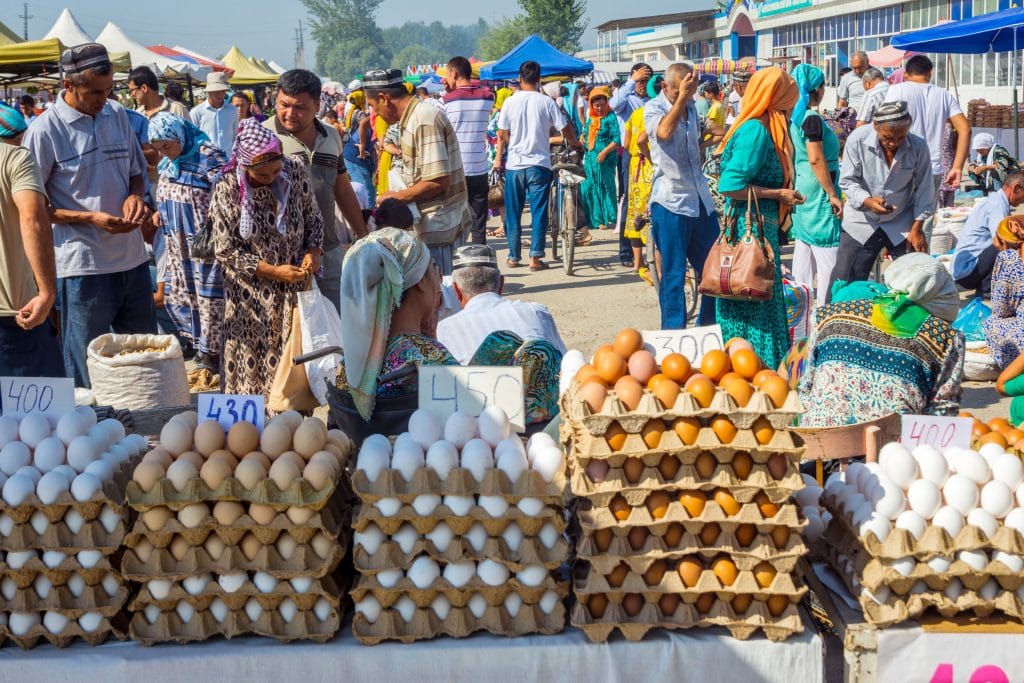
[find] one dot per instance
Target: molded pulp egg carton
(531, 552)
(169, 626)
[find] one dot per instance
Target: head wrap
(771, 94)
(594, 122)
(654, 85)
(984, 141)
(1011, 229)
(500, 97)
(919, 286)
(168, 126)
(808, 78)
(892, 111)
(254, 145)
(377, 270)
(358, 100)
(12, 123)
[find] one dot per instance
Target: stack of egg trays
(159, 554)
(583, 433)
(889, 595)
(460, 620)
(78, 570)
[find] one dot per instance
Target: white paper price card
(227, 409)
(940, 432)
(445, 389)
(913, 654)
(692, 343)
(44, 395)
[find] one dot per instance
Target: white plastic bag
(321, 327)
(137, 371)
(979, 366)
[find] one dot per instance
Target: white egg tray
(589, 582)
(531, 551)
(169, 627)
(299, 494)
(583, 443)
(597, 517)
(459, 623)
(685, 406)
(364, 515)
(112, 494)
(323, 589)
(458, 596)
(460, 482)
(109, 626)
(92, 535)
(93, 598)
(61, 574)
(636, 627)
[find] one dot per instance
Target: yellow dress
(384, 165)
(641, 175)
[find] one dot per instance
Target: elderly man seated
(478, 284)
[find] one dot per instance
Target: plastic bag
(971, 320)
(289, 389)
(979, 365)
(321, 327)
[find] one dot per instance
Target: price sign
(940, 432)
(43, 395)
(227, 409)
(692, 343)
(445, 389)
(913, 654)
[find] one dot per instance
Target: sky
(266, 28)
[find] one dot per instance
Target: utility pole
(300, 48)
(25, 16)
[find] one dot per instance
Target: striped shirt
(463, 332)
(469, 109)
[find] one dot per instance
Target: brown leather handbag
(741, 267)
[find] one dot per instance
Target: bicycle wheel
(568, 221)
(692, 293)
(553, 220)
(653, 263)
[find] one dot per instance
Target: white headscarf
(926, 282)
(985, 141)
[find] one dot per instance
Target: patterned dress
(641, 177)
(195, 302)
(855, 372)
(598, 190)
(258, 311)
(1004, 329)
(404, 351)
(749, 158)
(540, 361)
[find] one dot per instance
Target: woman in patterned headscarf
(601, 140)
(268, 234)
(195, 300)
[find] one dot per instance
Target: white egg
(219, 609)
(407, 458)
(971, 465)
(549, 535)
(232, 582)
(82, 451)
(8, 429)
(898, 464)
(939, 564)
(458, 574)
(369, 607)
(253, 609)
(286, 545)
(984, 521)
(90, 621)
(49, 453)
(76, 584)
(264, 582)
(878, 525)
(109, 519)
(863, 513)
(851, 501)
(442, 457)
(1015, 563)
(425, 504)
(997, 498)
(1008, 469)
(975, 559)
(51, 485)
(950, 519)
(21, 623)
(406, 537)
(14, 456)
(924, 497)
(103, 470)
(989, 590)
(8, 588)
(531, 507)
(441, 535)
(33, 429)
(423, 572)
(912, 522)
(477, 536)
(301, 584)
(55, 622)
(389, 577)
(288, 610)
(511, 452)
(30, 472)
(477, 605)
(853, 474)
(374, 456)
(512, 536)
(6, 524)
(460, 428)
(513, 603)
(1015, 520)
(494, 425)
(425, 428)
(549, 462)
(42, 586)
(53, 558)
(89, 558)
(67, 471)
(115, 429)
(85, 486)
(159, 588)
(893, 500)
(904, 566)
(931, 464)
(477, 458)
(152, 613)
(441, 606)
(572, 361)
(492, 573)
(180, 473)
(808, 496)
(39, 522)
(388, 507)
(17, 489)
(495, 506)
(459, 505)
(548, 601)
(370, 539)
(961, 492)
(194, 585)
(532, 575)
(88, 414)
(73, 520)
(405, 607)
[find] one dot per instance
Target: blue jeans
(91, 305)
(680, 238)
(531, 185)
(35, 353)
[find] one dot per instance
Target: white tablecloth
(696, 655)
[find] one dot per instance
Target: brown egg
(656, 379)
(673, 535)
(179, 548)
(299, 515)
(994, 437)
(723, 428)
(729, 376)
(262, 514)
(777, 604)
(251, 546)
(160, 456)
(763, 431)
(617, 576)
(780, 536)
(1013, 436)
(147, 474)
(283, 472)
(318, 474)
(256, 456)
(627, 342)
(227, 512)
(603, 539)
(620, 508)
(214, 472)
(209, 437)
(765, 505)
(689, 569)
(702, 389)
(745, 534)
(155, 518)
(715, 364)
(761, 376)
(214, 546)
(746, 363)
(615, 436)
(243, 438)
(777, 466)
(654, 573)
(642, 366)
(586, 371)
(734, 344)
(275, 439)
(637, 537)
(629, 391)
(668, 603)
(742, 463)
(764, 574)
(693, 502)
(688, 429)
(594, 395)
(632, 468)
(705, 602)
(979, 429)
(709, 533)
(610, 366)
(998, 423)
(705, 464)
(725, 569)
(597, 470)
(741, 603)
(632, 603)
(225, 457)
(730, 506)
(652, 432)
(250, 473)
(668, 467)
(657, 504)
(740, 389)
(597, 604)
(777, 390)
(676, 367)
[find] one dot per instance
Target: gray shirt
(872, 99)
(679, 184)
(851, 89)
(86, 164)
(906, 185)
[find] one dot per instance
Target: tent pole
(191, 96)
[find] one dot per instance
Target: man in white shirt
(931, 107)
(216, 117)
(875, 90)
(851, 87)
(478, 284)
(740, 79)
(524, 126)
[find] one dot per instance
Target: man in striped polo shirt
(468, 108)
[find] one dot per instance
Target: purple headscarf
(255, 144)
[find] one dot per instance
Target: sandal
(539, 266)
(585, 241)
(513, 264)
(500, 232)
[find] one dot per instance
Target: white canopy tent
(196, 55)
(68, 31)
(115, 40)
(276, 67)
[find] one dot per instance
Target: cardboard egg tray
(531, 551)
(364, 515)
(57, 536)
(635, 627)
(686, 405)
(115, 626)
(457, 596)
(460, 622)
(111, 494)
(584, 443)
(60, 574)
(323, 589)
(589, 582)
(298, 494)
(60, 599)
(460, 482)
(203, 625)
(598, 517)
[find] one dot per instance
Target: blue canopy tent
(552, 62)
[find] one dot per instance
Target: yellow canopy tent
(246, 71)
(43, 56)
(7, 36)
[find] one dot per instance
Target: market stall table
(693, 655)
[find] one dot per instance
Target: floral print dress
(1004, 329)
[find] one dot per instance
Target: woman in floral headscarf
(268, 234)
(600, 139)
(195, 300)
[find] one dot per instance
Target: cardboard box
(530, 525)
(531, 552)
(460, 482)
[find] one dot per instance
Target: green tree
(414, 54)
(503, 36)
(349, 42)
(560, 22)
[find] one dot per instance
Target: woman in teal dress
(757, 154)
(601, 141)
(816, 222)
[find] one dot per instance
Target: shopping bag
(290, 388)
(971, 320)
(321, 327)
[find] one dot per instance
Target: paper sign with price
(227, 409)
(44, 395)
(692, 343)
(912, 654)
(445, 389)
(940, 432)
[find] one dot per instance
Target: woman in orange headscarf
(757, 155)
(600, 139)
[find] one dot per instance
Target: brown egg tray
(636, 627)
(531, 525)
(598, 517)
(91, 536)
(531, 551)
(324, 588)
(60, 599)
(588, 582)
(459, 623)
(461, 482)
(298, 494)
(60, 575)
(116, 626)
(457, 596)
(202, 626)
(583, 444)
